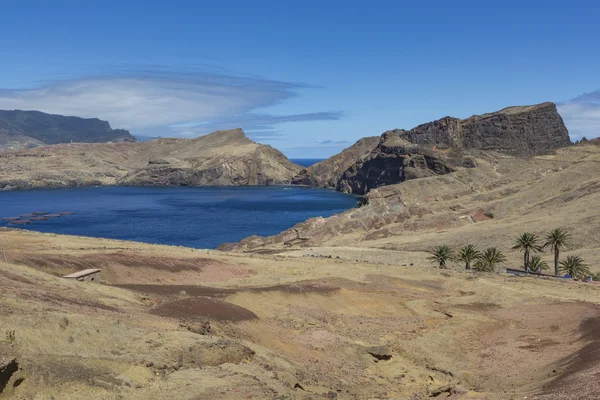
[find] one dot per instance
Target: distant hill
(27, 129)
(221, 158)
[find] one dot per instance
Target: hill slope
(327, 172)
(22, 129)
(220, 158)
(439, 147)
(487, 205)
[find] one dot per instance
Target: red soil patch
(204, 307)
(206, 291)
(99, 260)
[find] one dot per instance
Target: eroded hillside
(187, 324)
(220, 158)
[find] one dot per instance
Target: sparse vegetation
(527, 243)
(575, 267)
(489, 259)
(557, 239)
(11, 336)
(468, 254)
(440, 255)
(536, 263)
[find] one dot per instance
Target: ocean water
(195, 217)
(306, 162)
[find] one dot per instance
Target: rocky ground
(174, 322)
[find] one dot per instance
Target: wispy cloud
(582, 115)
(163, 103)
(332, 142)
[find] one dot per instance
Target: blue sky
(309, 77)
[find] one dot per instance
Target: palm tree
(440, 255)
(575, 267)
(468, 254)
(527, 242)
(557, 239)
(536, 263)
(488, 260)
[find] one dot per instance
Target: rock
(380, 352)
(522, 131)
(328, 172)
(393, 161)
(8, 366)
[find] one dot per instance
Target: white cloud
(582, 115)
(164, 104)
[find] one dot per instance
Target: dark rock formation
(8, 366)
(32, 128)
(439, 147)
(521, 131)
(327, 173)
(393, 161)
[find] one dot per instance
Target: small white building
(87, 275)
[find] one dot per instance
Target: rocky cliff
(327, 173)
(439, 147)
(218, 159)
(23, 129)
(521, 131)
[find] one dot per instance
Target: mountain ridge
(218, 159)
(440, 147)
(32, 128)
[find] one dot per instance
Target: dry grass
(315, 319)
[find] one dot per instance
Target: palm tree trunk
(525, 259)
(556, 250)
(468, 266)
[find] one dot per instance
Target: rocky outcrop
(8, 367)
(393, 161)
(520, 131)
(327, 173)
(221, 158)
(439, 147)
(23, 129)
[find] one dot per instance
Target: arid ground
(312, 323)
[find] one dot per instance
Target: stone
(380, 352)
(8, 366)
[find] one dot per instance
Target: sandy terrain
(173, 322)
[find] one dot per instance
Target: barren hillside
(220, 158)
(188, 324)
(487, 205)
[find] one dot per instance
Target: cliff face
(439, 147)
(521, 131)
(327, 173)
(394, 160)
(218, 159)
(21, 129)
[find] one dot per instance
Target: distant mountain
(26, 129)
